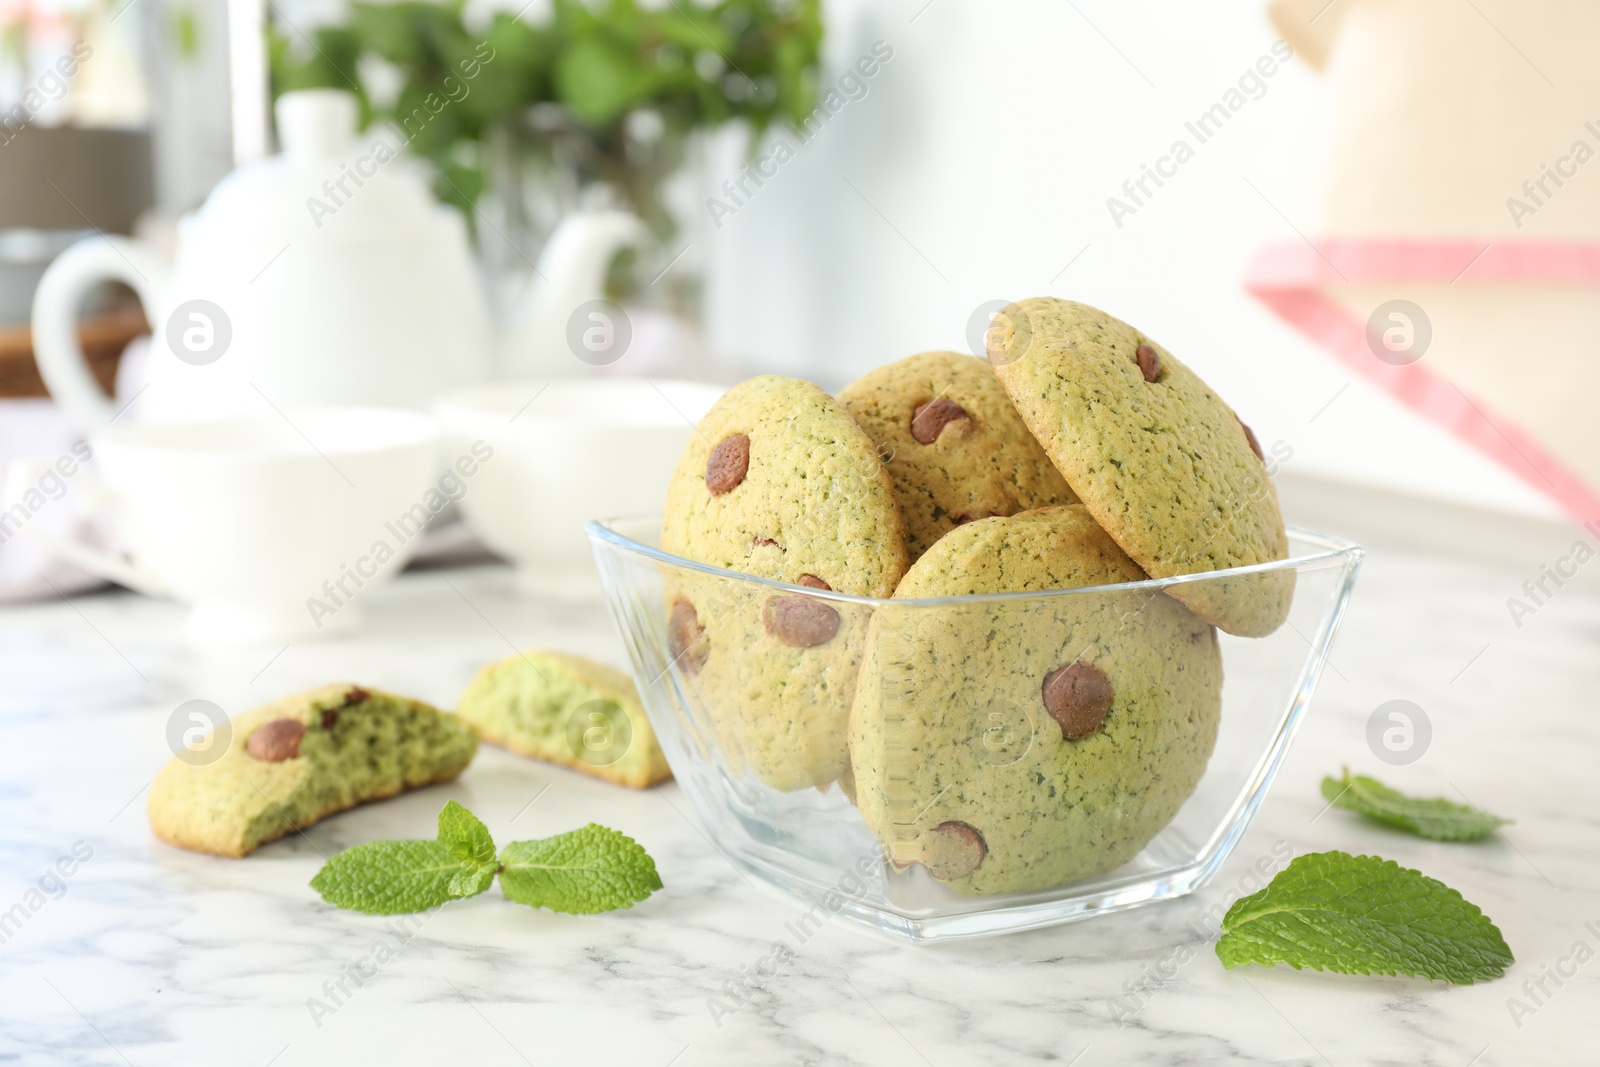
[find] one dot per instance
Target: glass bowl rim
(1332, 550)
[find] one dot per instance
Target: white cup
(566, 452)
(268, 527)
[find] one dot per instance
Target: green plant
(563, 90)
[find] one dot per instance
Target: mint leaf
(1363, 915)
(464, 834)
(392, 877)
(589, 870)
(1434, 817)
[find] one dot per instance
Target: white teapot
(326, 275)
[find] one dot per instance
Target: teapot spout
(552, 333)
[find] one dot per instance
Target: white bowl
(560, 454)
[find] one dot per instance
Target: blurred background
(1365, 222)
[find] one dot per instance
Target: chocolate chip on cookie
(277, 740)
(1250, 436)
(800, 621)
(728, 463)
(953, 850)
(930, 419)
(811, 581)
(354, 696)
(1149, 363)
(1077, 696)
(686, 637)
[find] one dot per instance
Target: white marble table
(155, 956)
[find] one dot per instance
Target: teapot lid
(316, 123)
(329, 184)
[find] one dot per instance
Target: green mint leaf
(468, 840)
(392, 877)
(1332, 911)
(1433, 817)
(582, 872)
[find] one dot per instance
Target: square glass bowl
(985, 816)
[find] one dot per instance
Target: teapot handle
(55, 313)
(571, 272)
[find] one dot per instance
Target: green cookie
(303, 758)
(1022, 744)
(1160, 461)
(568, 710)
(778, 482)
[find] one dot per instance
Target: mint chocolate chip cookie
(954, 447)
(1022, 744)
(568, 710)
(301, 759)
(1161, 462)
(778, 482)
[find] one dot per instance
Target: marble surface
(150, 955)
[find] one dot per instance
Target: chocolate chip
(1250, 436)
(353, 696)
(1149, 363)
(1077, 696)
(800, 621)
(686, 637)
(813, 582)
(277, 740)
(953, 850)
(728, 464)
(766, 542)
(929, 420)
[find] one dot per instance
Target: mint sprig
(1331, 911)
(1435, 818)
(585, 871)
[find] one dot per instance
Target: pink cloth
(1290, 278)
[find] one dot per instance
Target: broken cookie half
(301, 759)
(567, 710)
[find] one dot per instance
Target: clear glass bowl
(952, 733)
